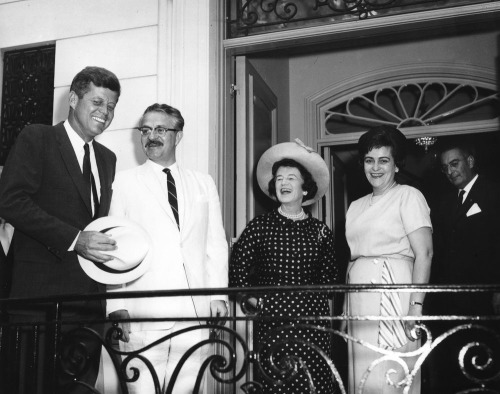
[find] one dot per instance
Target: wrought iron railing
(248, 17)
(236, 364)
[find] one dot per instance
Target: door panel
(256, 131)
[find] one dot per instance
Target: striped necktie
(391, 333)
(172, 195)
(88, 177)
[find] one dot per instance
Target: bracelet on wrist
(416, 303)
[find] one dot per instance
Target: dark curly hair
(308, 186)
(380, 136)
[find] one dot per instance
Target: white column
(189, 42)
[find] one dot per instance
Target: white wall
(159, 49)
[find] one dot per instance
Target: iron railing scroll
(250, 17)
(234, 362)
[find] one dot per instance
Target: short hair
(309, 185)
(465, 147)
(380, 136)
(167, 109)
(99, 76)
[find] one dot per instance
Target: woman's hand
(411, 330)
(421, 244)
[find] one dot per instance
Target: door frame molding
(337, 33)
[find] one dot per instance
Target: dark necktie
(88, 177)
(172, 195)
(460, 199)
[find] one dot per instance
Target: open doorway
(421, 170)
(422, 167)
(301, 75)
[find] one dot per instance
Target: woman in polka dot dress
(288, 247)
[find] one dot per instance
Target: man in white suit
(189, 250)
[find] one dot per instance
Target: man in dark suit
(56, 180)
(467, 251)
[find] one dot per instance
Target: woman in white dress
(389, 233)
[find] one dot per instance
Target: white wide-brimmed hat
(129, 262)
(302, 154)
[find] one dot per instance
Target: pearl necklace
(297, 216)
(385, 191)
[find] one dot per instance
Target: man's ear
(178, 137)
(73, 99)
(471, 161)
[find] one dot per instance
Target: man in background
(467, 251)
(180, 210)
(56, 180)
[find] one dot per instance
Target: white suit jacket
(194, 257)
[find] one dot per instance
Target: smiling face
(458, 167)
(380, 169)
(92, 114)
(288, 182)
(160, 149)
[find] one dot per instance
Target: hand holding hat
(127, 261)
(92, 244)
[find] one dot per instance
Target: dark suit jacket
(42, 194)
(468, 247)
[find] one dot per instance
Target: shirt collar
(174, 168)
(74, 138)
(470, 184)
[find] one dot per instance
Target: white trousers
(165, 357)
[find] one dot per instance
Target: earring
(304, 193)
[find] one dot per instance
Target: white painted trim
(368, 27)
(164, 51)
(215, 104)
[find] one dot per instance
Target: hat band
(110, 270)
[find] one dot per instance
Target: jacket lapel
(71, 162)
(464, 208)
(148, 178)
(104, 179)
(469, 200)
(186, 193)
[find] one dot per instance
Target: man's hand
(125, 326)
(218, 311)
(90, 243)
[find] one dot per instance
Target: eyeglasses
(453, 165)
(161, 131)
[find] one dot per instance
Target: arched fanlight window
(419, 103)
(422, 100)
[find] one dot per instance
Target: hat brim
(313, 162)
(130, 258)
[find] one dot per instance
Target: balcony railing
(235, 363)
(249, 17)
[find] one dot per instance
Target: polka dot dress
(276, 251)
